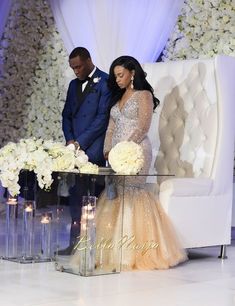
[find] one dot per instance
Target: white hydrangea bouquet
(126, 157)
(43, 157)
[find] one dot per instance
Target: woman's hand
(106, 155)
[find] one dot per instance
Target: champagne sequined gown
(148, 239)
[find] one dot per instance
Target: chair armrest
(180, 187)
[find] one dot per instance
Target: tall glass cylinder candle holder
(11, 227)
(46, 241)
(59, 226)
(28, 230)
(87, 239)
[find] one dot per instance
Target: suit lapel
(88, 88)
(82, 94)
(91, 83)
(78, 97)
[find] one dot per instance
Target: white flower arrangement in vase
(41, 156)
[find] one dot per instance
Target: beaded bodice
(132, 123)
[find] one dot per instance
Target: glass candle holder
(59, 226)
(87, 239)
(28, 229)
(11, 226)
(46, 241)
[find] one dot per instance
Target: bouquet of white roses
(126, 157)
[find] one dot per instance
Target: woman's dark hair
(139, 82)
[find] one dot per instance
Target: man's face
(81, 68)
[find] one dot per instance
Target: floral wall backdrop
(204, 28)
(33, 69)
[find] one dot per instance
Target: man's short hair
(82, 52)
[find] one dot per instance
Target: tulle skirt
(136, 232)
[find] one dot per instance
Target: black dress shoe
(67, 251)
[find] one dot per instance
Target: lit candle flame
(12, 201)
(28, 208)
(45, 220)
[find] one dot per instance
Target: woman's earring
(132, 80)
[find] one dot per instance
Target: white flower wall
(33, 71)
(204, 28)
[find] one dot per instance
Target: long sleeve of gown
(109, 135)
(145, 112)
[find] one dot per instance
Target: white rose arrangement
(89, 168)
(126, 157)
(43, 157)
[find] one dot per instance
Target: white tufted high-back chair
(192, 135)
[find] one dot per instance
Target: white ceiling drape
(5, 6)
(110, 28)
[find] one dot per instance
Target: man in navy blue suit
(85, 119)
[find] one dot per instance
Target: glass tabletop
(109, 171)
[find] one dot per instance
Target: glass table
(38, 226)
(99, 246)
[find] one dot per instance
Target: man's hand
(69, 142)
(75, 143)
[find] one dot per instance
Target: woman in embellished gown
(141, 227)
(138, 234)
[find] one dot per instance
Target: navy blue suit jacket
(85, 117)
